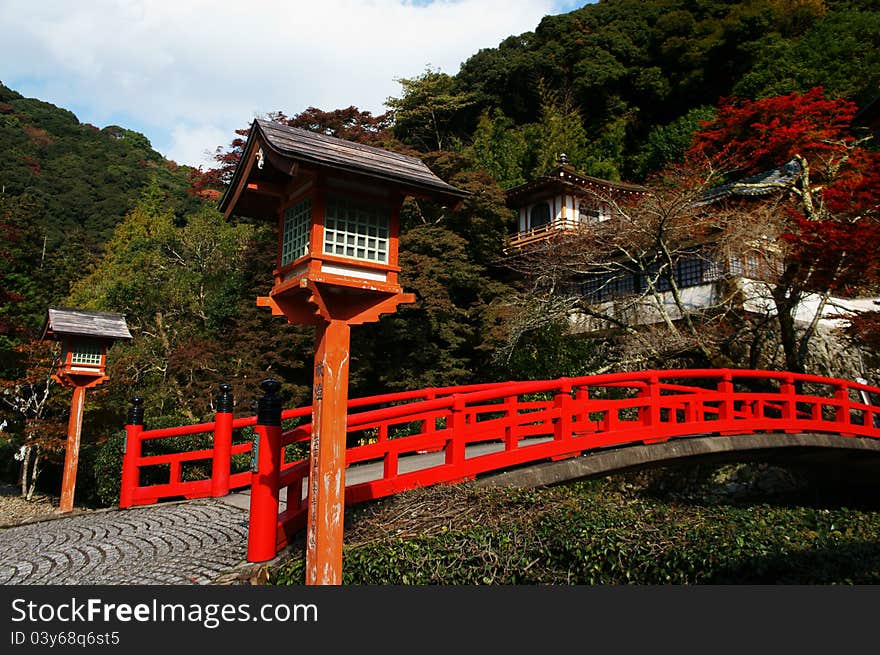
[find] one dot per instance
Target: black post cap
(269, 405)
(225, 400)
(136, 411)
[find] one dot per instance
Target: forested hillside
(94, 218)
(618, 85)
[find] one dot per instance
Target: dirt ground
(15, 510)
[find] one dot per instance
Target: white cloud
(189, 72)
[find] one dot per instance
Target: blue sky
(187, 73)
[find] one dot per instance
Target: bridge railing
(402, 441)
(195, 461)
(459, 436)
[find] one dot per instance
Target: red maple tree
(831, 214)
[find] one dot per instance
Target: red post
(725, 409)
(650, 414)
(71, 450)
(222, 460)
(789, 403)
(562, 404)
(581, 398)
(266, 467)
(132, 452)
(455, 447)
(327, 455)
(841, 411)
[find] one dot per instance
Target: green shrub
(594, 534)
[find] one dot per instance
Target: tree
(350, 124)
(178, 280)
(829, 224)
(424, 114)
(28, 414)
(624, 278)
(500, 148)
(560, 130)
(799, 234)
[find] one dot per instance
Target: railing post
(725, 409)
(789, 403)
(222, 460)
(455, 447)
(650, 415)
(562, 405)
(132, 452)
(562, 427)
(263, 527)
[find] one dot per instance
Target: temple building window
(539, 215)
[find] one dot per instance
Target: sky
(188, 73)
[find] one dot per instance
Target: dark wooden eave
(80, 322)
(289, 151)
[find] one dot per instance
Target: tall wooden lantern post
(336, 204)
(85, 337)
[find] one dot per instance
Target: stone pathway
(193, 542)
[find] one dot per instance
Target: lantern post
(85, 337)
(337, 207)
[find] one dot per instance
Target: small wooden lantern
(85, 337)
(337, 207)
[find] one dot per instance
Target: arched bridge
(560, 429)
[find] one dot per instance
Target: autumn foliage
(833, 207)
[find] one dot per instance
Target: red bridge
(560, 429)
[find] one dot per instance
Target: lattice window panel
(356, 229)
(86, 353)
(295, 235)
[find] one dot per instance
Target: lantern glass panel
(295, 234)
(356, 229)
(88, 353)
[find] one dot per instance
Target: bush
(591, 534)
(107, 469)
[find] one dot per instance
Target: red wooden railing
(446, 435)
(136, 465)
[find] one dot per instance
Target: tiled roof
(762, 184)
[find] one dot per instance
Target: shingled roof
(81, 322)
(313, 148)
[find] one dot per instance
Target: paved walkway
(192, 542)
(188, 542)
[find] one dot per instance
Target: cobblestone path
(180, 543)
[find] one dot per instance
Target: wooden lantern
(337, 208)
(85, 337)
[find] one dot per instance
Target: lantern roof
(289, 148)
(80, 322)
